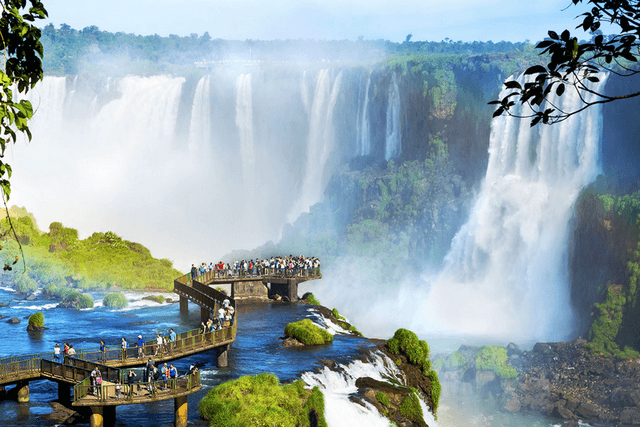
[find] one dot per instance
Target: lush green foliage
(156, 298)
(261, 401)
(454, 360)
(494, 358)
(80, 300)
(574, 65)
(336, 314)
(604, 329)
(382, 397)
(312, 300)
(103, 260)
(308, 333)
(21, 70)
(417, 351)
(37, 319)
(24, 284)
(410, 407)
(115, 300)
(436, 389)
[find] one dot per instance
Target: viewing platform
(263, 283)
(73, 373)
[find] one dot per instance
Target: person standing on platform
(57, 355)
(172, 338)
(140, 347)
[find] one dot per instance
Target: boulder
(31, 297)
(630, 416)
(513, 405)
(13, 321)
(587, 410)
(291, 342)
(32, 328)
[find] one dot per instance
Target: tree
(21, 70)
(575, 65)
(408, 38)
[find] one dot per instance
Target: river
(257, 349)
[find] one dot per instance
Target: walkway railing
(188, 342)
(124, 392)
(257, 273)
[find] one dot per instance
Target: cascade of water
(47, 100)
(321, 141)
(200, 125)
(506, 273)
(338, 385)
(363, 138)
(244, 122)
(393, 136)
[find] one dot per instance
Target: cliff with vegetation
(62, 264)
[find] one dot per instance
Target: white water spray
(364, 137)
(338, 385)
(506, 273)
(393, 138)
(321, 142)
(244, 122)
(200, 126)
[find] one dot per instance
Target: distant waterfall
(506, 273)
(200, 125)
(364, 138)
(244, 122)
(393, 137)
(47, 100)
(321, 141)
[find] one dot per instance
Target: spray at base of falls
(506, 273)
(338, 385)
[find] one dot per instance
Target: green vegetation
(308, 333)
(115, 300)
(37, 319)
(261, 401)
(58, 259)
(494, 358)
(336, 314)
(417, 351)
(156, 298)
(455, 360)
(311, 299)
(382, 397)
(78, 300)
(410, 407)
(604, 329)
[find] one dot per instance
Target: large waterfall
(392, 141)
(192, 169)
(506, 273)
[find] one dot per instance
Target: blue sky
(433, 20)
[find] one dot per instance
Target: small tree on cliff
(575, 66)
(22, 55)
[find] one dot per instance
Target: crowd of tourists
(287, 266)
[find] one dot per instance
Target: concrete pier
(23, 391)
(64, 394)
(221, 352)
(102, 416)
(184, 304)
(180, 408)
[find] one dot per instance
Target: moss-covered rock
(36, 322)
(494, 358)
(75, 299)
(307, 333)
(155, 298)
(262, 401)
(115, 300)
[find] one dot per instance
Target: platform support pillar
(184, 305)
(64, 394)
(23, 391)
(221, 352)
(204, 314)
(233, 289)
(180, 405)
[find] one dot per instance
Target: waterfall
(363, 138)
(337, 385)
(48, 99)
(200, 125)
(506, 273)
(320, 142)
(244, 122)
(392, 145)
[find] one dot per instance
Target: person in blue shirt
(103, 350)
(140, 347)
(172, 338)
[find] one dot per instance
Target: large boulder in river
(13, 321)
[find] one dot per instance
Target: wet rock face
(559, 380)
(13, 321)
